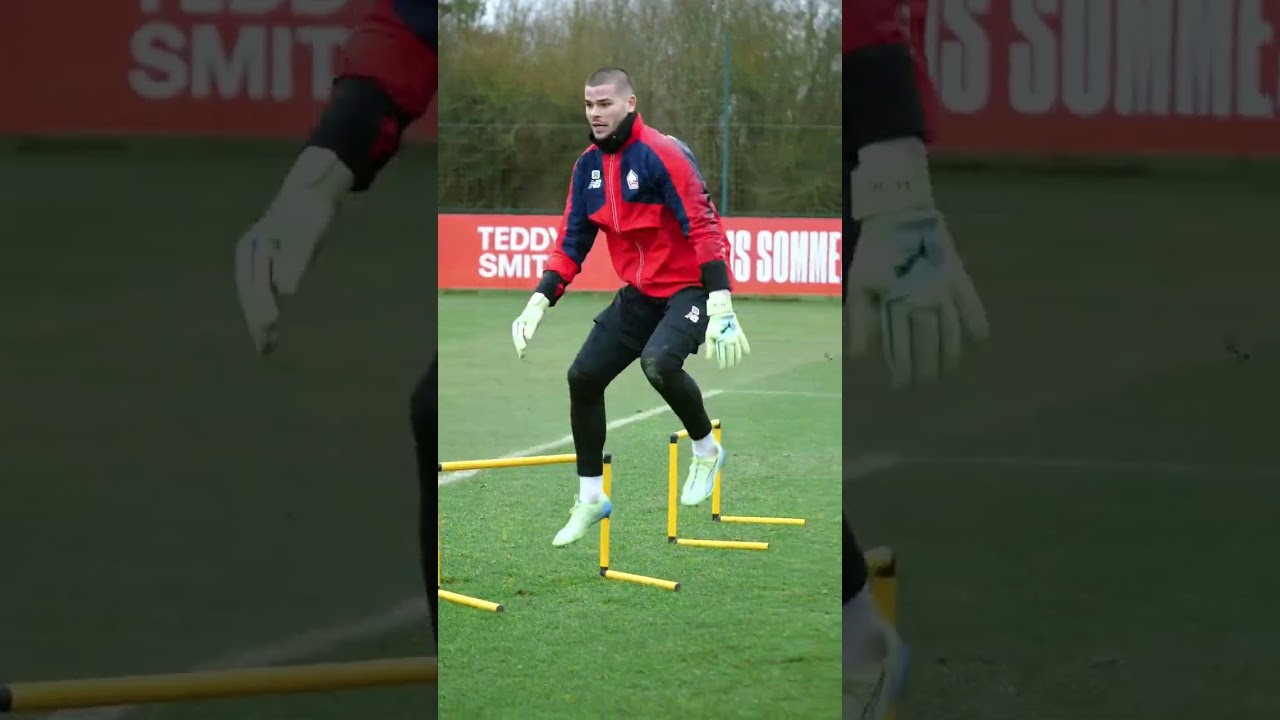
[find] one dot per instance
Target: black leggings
(423, 417)
(660, 334)
(855, 563)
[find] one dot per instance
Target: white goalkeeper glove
(908, 288)
(526, 325)
(255, 256)
(274, 254)
(725, 340)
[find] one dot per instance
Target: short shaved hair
(617, 77)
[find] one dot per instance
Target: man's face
(606, 108)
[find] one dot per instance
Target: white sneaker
(702, 478)
(870, 694)
(581, 518)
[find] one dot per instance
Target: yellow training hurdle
(673, 510)
(882, 566)
(606, 571)
(147, 689)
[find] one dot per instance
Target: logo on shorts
(595, 180)
(633, 180)
(693, 315)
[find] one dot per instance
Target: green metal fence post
(724, 135)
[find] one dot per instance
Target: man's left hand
(725, 340)
(255, 258)
(909, 290)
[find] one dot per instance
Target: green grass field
(170, 500)
(749, 634)
(1082, 514)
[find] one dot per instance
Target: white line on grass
(457, 477)
(785, 393)
(870, 465)
(1164, 467)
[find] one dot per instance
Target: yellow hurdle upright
(673, 509)
(536, 460)
(882, 566)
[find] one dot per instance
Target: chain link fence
(773, 170)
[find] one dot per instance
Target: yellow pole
(604, 524)
(496, 463)
(642, 580)
(141, 689)
(724, 544)
(716, 429)
(468, 601)
(685, 433)
(883, 566)
(750, 520)
(673, 462)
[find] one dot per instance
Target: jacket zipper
(615, 170)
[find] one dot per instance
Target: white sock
(862, 630)
(590, 489)
(706, 447)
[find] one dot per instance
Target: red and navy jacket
(888, 93)
(643, 190)
(422, 17)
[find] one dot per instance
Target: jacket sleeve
(577, 235)
(686, 194)
(888, 94)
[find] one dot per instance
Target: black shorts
(638, 326)
(363, 126)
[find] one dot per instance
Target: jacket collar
(628, 130)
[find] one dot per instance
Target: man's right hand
(908, 288)
(909, 291)
(523, 328)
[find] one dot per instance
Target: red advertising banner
(259, 68)
(1100, 76)
(770, 256)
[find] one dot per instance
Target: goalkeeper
(644, 191)
(386, 81)
(906, 289)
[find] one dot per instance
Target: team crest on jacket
(633, 180)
